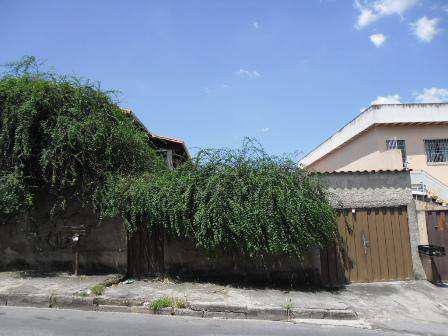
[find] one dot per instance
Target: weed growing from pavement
(82, 294)
(53, 301)
(161, 303)
(288, 305)
(181, 303)
(98, 289)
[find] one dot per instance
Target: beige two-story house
(391, 137)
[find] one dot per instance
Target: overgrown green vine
(68, 139)
(238, 200)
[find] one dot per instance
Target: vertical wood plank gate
(373, 245)
(146, 252)
(437, 227)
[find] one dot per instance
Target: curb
(202, 310)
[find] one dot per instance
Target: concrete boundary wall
(43, 242)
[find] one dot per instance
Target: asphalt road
(49, 322)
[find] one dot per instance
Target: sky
(287, 72)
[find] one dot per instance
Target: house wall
(368, 151)
(364, 152)
(416, 155)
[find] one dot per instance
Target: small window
(436, 150)
(398, 144)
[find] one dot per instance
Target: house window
(398, 144)
(436, 150)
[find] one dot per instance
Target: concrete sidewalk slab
(197, 292)
(30, 282)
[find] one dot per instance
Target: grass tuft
(98, 289)
(160, 303)
(181, 303)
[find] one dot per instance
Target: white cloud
(391, 99)
(389, 7)
(366, 17)
(432, 95)
(256, 25)
(370, 12)
(248, 73)
(425, 29)
(265, 130)
(378, 39)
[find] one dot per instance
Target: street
(47, 322)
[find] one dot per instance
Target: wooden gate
(436, 224)
(146, 252)
(373, 245)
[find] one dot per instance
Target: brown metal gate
(373, 245)
(436, 224)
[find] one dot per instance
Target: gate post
(414, 237)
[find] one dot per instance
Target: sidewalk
(61, 290)
(388, 305)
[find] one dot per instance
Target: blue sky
(287, 72)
